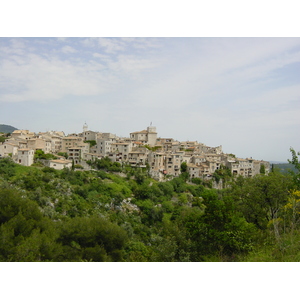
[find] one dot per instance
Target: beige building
(194, 170)
(257, 166)
(60, 164)
(7, 149)
(91, 156)
(56, 144)
(165, 144)
(25, 157)
(198, 159)
(39, 144)
(173, 163)
(146, 137)
(122, 150)
(25, 134)
(104, 146)
(77, 153)
(138, 157)
(157, 161)
(204, 170)
(71, 142)
(88, 135)
(246, 167)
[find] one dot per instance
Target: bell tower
(85, 127)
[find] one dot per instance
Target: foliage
(91, 239)
(106, 164)
(262, 169)
(222, 173)
(40, 154)
(76, 215)
(2, 138)
(27, 234)
(295, 162)
(77, 166)
(260, 197)
(91, 142)
(64, 154)
(155, 148)
(183, 167)
(7, 167)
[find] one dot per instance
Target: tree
(92, 239)
(25, 234)
(295, 162)
(260, 198)
(262, 169)
(64, 154)
(222, 173)
(7, 167)
(2, 138)
(183, 167)
(91, 142)
(40, 154)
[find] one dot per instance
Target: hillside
(284, 168)
(69, 215)
(7, 128)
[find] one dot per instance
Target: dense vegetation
(67, 215)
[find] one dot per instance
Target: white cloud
(218, 91)
(39, 79)
(62, 39)
(68, 49)
(111, 45)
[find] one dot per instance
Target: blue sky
(241, 93)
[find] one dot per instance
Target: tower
(85, 127)
(151, 135)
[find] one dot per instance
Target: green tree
(262, 169)
(65, 154)
(295, 162)
(25, 234)
(7, 167)
(183, 167)
(92, 239)
(91, 142)
(260, 198)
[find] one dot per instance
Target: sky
(241, 93)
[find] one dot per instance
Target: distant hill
(7, 128)
(285, 167)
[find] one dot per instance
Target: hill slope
(7, 128)
(285, 168)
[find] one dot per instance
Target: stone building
(25, 157)
(146, 137)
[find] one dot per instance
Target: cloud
(68, 49)
(39, 79)
(108, 45)
(129, 64)
(62, 39)
(111, 45)
(230, 91)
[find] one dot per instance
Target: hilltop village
(163, 156)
